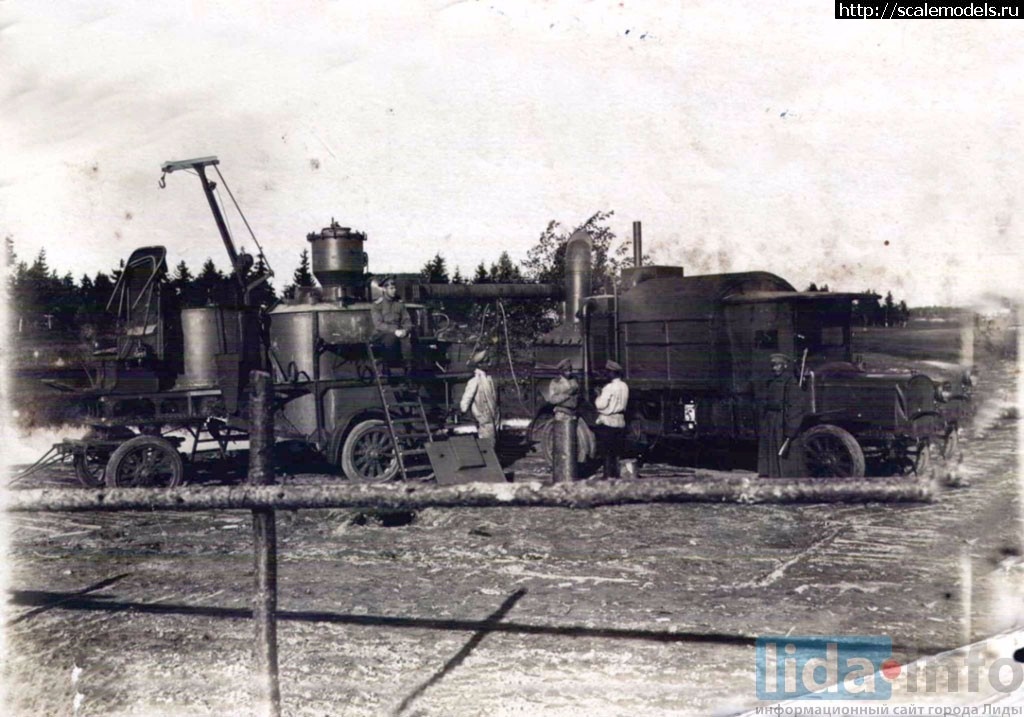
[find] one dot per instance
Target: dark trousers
(391, 348)
(611, 441)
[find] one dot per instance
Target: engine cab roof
(759, 297)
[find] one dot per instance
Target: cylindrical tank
(339, 260)
(212, 330)
(577, 274)
(295, 332)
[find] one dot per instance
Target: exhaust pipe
(577, 274)
(638, 249)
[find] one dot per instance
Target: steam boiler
(186, 370)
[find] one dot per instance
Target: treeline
(874, 312)
(41, 298)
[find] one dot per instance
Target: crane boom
(241, 264)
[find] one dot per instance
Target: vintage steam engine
(695, 350)
(179, 373)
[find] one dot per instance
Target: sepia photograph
(479, 357)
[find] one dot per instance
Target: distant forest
(43, 298)
(875, 312)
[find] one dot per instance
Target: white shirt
(482, 396)
(611, 404)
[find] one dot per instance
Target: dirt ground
(632, 610)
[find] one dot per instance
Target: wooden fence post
(563, 464)
(264, 530)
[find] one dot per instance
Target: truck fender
(342, 428)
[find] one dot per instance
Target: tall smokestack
(638, 247)
(577, 274)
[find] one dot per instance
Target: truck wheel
(145, 461)
(951, 447)
(831, 452)
(368, 453)
(923, 458)
(89, 468)
(91, 465)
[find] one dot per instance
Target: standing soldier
(391, 325)
(564, 390)
(780, 418)
(481, 398)
(611, 423)
(564, 395)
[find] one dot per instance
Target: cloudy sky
(745, 135)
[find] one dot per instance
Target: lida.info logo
(829, 667)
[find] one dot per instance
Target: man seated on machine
(392, 327)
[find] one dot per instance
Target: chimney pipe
(638, 248)
(577, 274)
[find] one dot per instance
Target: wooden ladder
(406, 419)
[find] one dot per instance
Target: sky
(745, 135)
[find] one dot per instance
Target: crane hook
(163, 181)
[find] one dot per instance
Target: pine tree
(211, 286)
(303, 276)
(181, 283)
(481, 276)
(435, 271)
(505, 271)
(889, 307)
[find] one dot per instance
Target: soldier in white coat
(481, 399)
(611, 421)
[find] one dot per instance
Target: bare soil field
(628, 610)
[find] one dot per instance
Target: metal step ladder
(406, 419)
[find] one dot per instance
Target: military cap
(385, 280)
(564, 364)
(480, 358)
(781, 357)
(613, 366)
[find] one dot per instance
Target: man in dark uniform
(391, 324)
(781, 413)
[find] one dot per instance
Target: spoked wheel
(923, 457)
(90, 467)
(145, 461)
(951, 459)
(951, 447)
(91, 464)
(368, 454)
(831, 452)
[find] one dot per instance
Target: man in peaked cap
(780, 417)
(391, 323)
(611, 421)
(481, 398)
